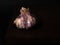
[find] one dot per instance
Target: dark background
(47, 14)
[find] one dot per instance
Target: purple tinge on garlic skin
(24, 20)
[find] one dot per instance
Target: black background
(46, 11)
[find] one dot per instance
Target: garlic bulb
(24, 20)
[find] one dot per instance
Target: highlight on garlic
(24, 20)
